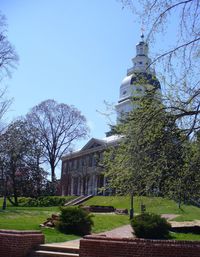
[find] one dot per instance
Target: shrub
(23, 200)
(74, 220)
(44, 201)
(152, 226)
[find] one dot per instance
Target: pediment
(92, 143)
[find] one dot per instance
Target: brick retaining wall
(98, 246)
(19, 243)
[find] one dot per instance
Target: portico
(82, 170)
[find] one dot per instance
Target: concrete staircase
(53, 250)
(78, 200)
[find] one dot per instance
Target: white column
(81, 185)
(72, 186)
(94, 185)
(63, 190)
(78, 186)
(89, 185)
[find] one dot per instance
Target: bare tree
(8, 56)
(8, 61)
(58, 126)
(178, 56)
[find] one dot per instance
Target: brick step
(42, 253)
(58, 248)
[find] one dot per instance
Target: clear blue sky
(74, 51)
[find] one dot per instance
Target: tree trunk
(53, 175)
(4, 203)
(15, 194)
(53, 179)
(5, 196)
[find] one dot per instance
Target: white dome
(126, 81)
(125, 88)
(131, 85)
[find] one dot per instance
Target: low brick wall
(15, 243)
(99, 208)
(97, 246)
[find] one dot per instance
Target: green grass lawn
(184, 236)
(104, 222)
(153, 204)
(29, 218)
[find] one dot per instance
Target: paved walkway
(71, 244)
(121, 232)
(125, 231)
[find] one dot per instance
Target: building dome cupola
(131, 85)
(141, 62)
(142, 47)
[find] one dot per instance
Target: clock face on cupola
(131, 85)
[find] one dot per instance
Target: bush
(44, 201)
(152, 226)
(74, 220)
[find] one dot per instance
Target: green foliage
(149, 158)
(191, 171)
(152, 226)
(75, 220)
(44, 201)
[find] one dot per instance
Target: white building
(81, 170)
(140, 77)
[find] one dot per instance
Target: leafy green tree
(191, 172)
(150, 153)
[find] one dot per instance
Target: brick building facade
(82, 170)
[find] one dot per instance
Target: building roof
(93, 145)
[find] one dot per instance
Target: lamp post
(131, 207)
